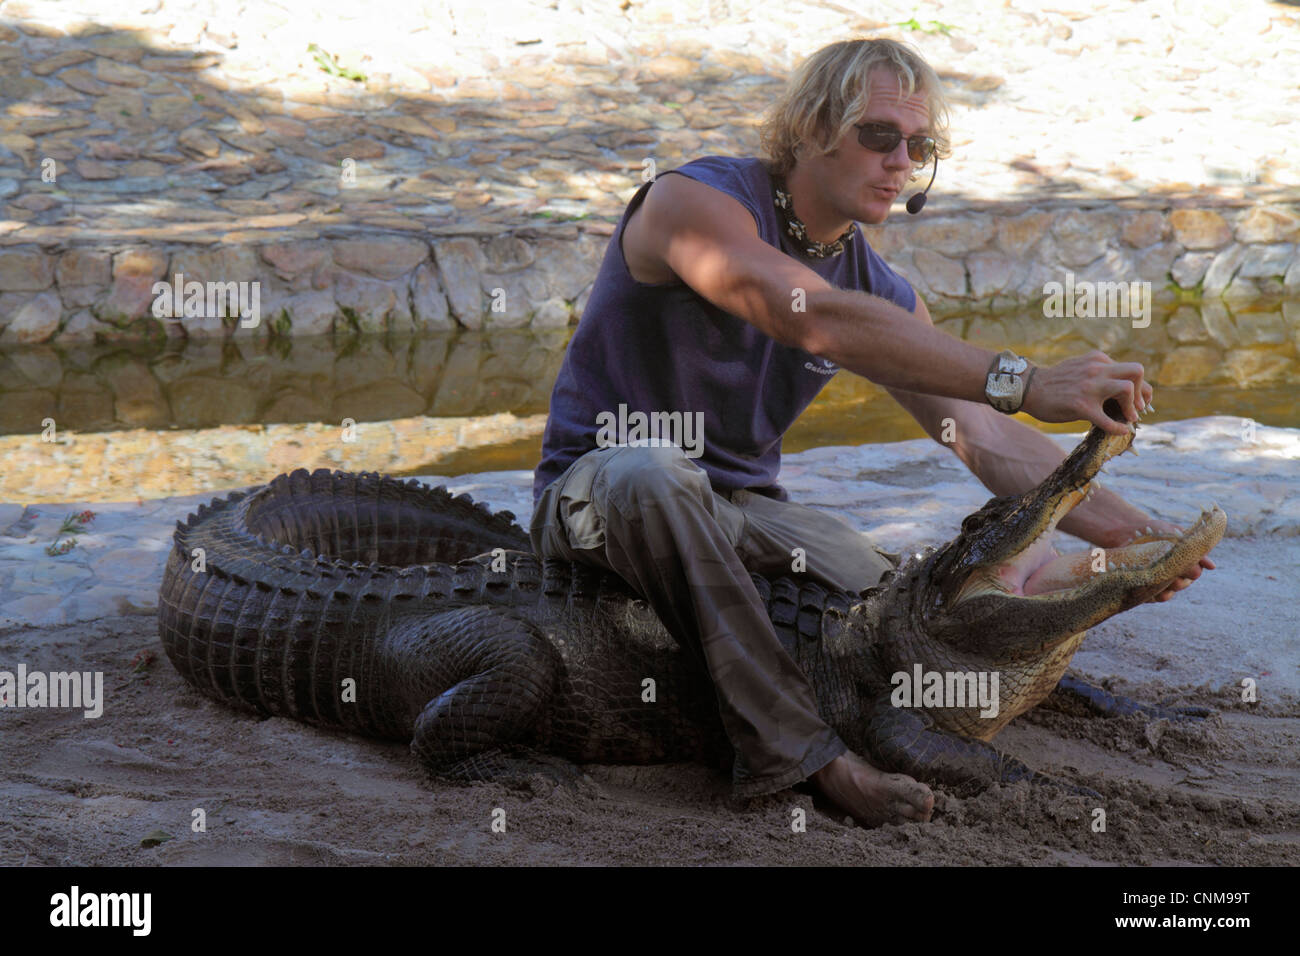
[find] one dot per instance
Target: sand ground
(87, 791)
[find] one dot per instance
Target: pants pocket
(582, 522)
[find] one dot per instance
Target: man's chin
(875, 214)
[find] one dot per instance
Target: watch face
(1009, 362)
(1003, 391)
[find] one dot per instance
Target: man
(732, 288)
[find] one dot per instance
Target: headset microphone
(917, 202)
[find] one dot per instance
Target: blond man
(731, 291)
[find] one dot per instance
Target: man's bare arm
(710, 241)
(1009, 458)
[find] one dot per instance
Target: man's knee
(636, 476)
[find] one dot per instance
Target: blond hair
(827, 96)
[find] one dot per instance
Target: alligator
(391, 609)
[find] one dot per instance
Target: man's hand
(1078, 387)
(1186, 577)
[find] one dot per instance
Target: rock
(1154, 263)
(1222, 269)
(37, 321)
(1144, 229)
(25, 269)
(383, 258)
(1292, 278)
(669, 68)
(943, 275)
(82, 274)
(292, 259)
(508, 253)
(950, 237)
(1268, 224)
(57, 62)
(9, 187)
(1082, 236)
(1262, 261)
(989, 273)
(120, 74)
(1016, 236)
(428, 303)
(371, 299)
(134, 273)
(1241, 290)
(460, 264)
(513, 298)
(93, 169)
(1188, 365)
(222, 264)
(82, 327)
(1217, 321)
(200, 142)
(552, 314)
(311, 313)
(83, 82)
(580, 304)
(1199, 228)
(1189, 268)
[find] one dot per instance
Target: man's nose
(898, 158)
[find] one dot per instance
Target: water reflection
(1204, 359)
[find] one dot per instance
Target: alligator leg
(906, 741)
(1074, 696)
(477, 682)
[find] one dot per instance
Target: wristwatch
(1008, 382)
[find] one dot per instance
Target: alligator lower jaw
(1040, 572)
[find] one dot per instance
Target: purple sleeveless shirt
(663, 348)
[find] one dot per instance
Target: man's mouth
(884, 192)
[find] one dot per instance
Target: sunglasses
(885, 139)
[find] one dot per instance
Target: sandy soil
(87, 792)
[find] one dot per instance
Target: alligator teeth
(1110, 565)
(1149, 530)
(1151, 408)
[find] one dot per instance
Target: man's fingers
(1121, 390)
(1107, 424)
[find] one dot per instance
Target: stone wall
(990, 258)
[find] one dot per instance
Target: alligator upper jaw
(1006, 541)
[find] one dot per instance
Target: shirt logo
(827, 367)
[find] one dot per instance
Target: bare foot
(872, 796)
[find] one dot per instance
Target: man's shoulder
(883, 279)
(732, 174)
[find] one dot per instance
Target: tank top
(644, 351)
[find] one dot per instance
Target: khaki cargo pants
(650, 515)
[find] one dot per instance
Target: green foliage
(327, 62)
(934, 27)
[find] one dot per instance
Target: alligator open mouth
(1042, 571)
(1002, 581)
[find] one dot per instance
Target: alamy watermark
(83, 691)
(922, 688)
(1098, 300)
(196, 300)
(653, 429)
(75, 908)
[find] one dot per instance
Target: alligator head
(1000, 591)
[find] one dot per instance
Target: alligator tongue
(1071, 570)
